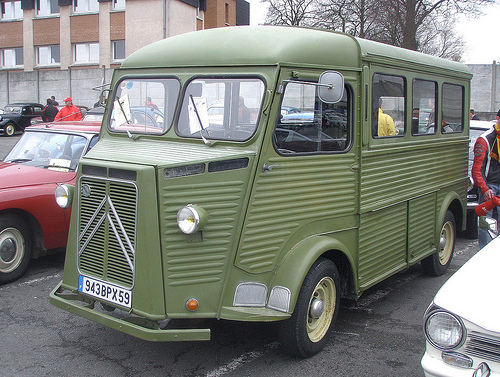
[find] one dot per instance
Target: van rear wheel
(306, 332)
(437, 263)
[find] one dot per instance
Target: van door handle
(267, 167)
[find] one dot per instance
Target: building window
(118, 4)
(226, 15)
(11, 10)
(86, 53)
(86, 6)
(47, 7)
(48, 55)
(12, 57)
(118, 50)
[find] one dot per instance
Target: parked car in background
(95, 114)
(17, 116)
(461, 325)
(477, 127)
(31, 222)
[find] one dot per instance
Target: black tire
(9, 129)
(15, 248)
(472, 225)
(437, 263)
(305, 333)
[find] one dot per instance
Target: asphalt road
(381, 335)
(6, 144)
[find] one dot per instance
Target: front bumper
(437, 368)
(138, 327)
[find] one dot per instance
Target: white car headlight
(444, 330)
(191, 219)
(64, 195)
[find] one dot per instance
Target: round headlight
(64, 195)
(444, 330)
(191, 219)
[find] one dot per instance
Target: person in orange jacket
(486, 170)
(68, 112)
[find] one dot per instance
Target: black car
(17, 116)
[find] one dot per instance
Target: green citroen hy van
(261, 174)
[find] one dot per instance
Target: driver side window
(306, 125)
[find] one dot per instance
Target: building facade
(67, 47)
(485, 89)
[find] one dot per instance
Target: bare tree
(423, 25)
(290, 12)
(355, 17)
(404, 20)
(439, 39)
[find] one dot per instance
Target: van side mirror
(331, 87)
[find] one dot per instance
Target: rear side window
(307, 125)
(388, 105)
(453, 108)
(423, 107)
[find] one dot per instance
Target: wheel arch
(33, 224)
(453, 203)
(303, 255)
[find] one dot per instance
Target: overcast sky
(482, 35)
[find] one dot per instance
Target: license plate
(105, 291)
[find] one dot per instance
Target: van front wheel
(306, 332)
(437, 263)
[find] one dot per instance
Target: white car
(462, 324)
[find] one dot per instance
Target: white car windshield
(50, 150)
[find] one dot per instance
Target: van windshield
(144, 106)
(221, 108)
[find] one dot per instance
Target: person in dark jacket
(49, 112)
(486, 170)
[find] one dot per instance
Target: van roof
(273, 45)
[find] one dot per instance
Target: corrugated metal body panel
(389, 181)
(298, 192)
(421, 225)
(392, 176)
(382, 243)
(200, 259)
(203, 261)
(161, 152)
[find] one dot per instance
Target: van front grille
(107, 230)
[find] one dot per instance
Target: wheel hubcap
(11, 249)
(317, 308)
(321, 309)
(446, 243)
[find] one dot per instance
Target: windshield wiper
(201, 123)
(17, 160)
